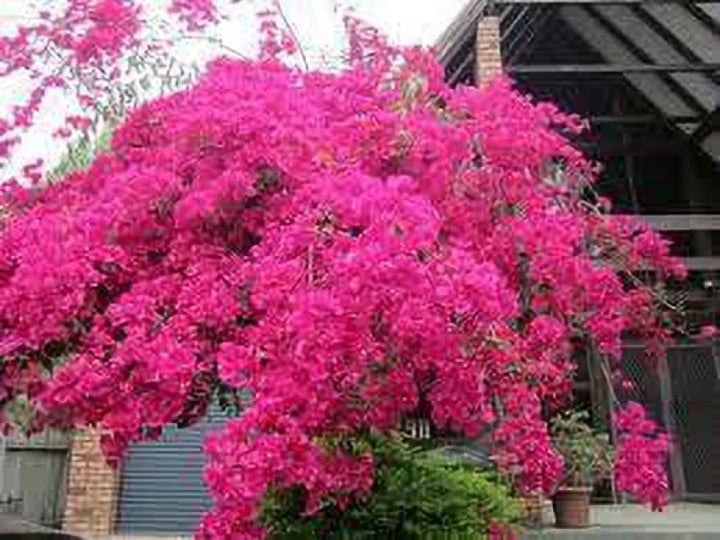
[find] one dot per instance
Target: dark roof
(669, 51)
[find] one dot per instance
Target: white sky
(316, 22)
(405, 21)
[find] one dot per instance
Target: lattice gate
(683, 393)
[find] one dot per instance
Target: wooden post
(488, 57)
(628, 160)
(702, 240)
(599, 390)
(676, 466)
(602, 400)
(2, 464)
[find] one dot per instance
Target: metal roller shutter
(162, 488)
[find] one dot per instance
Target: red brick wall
(92, 488)
(488, 58)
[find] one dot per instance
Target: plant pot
(572, 507)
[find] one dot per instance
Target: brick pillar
(488, 57)
(92, 489)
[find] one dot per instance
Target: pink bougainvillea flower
(345, 248)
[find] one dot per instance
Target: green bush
(416, 495)
(80, 154)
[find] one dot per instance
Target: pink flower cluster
(106, 27)
(78, 48)
(195, 14)
(282, 455)
(641, 456)
(347, 248)
(525, 450)
(708, 332)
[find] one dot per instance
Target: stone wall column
(92, 490)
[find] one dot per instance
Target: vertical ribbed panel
(162, 489)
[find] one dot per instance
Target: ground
(687, 521)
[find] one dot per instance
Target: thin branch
(215, 41)
(606, 375)
(310, 269)
(292, 34)
(636, 280)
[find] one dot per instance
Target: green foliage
(80, 154)
(416, 495)
(587, 454)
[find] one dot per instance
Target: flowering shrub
(641, 456)
(414, 495)
(82, 36)
(346, 247)
(99, 53)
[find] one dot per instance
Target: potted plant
(588, 458)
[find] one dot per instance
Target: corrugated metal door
(162, 489)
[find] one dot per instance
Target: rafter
(615, 68)
(647, 2)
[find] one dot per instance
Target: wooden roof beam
(636, 28)
(704, 264)
(614, 68)
(689, 30)
(683, 222)
(501, 2)
(651, 85)
(641, 119)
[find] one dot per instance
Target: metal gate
(695, 408)
(33, 477)
(683, 393)
(162, 488)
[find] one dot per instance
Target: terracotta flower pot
(572, 507)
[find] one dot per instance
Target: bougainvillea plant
(346, 248)
(102, 55)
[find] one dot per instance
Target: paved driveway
(688, 521)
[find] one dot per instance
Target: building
(647, 76)
(159, 488)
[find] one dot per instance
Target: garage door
(162, 489)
